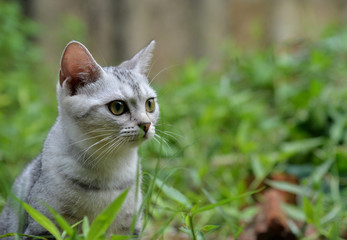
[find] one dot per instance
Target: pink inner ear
(78, 66)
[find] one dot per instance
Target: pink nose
(145, 126)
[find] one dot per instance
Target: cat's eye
(117, 107)
(150, 105)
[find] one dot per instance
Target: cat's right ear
(77, 67)
(141, 61)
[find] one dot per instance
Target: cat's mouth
(136, 136)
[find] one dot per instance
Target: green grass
(225, 132)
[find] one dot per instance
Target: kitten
(90, 154)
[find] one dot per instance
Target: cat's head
(106, 107)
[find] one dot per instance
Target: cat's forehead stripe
(127, 78)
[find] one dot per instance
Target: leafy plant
(97, 230)
(26, 110)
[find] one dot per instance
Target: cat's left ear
(141, 61)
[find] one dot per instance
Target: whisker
(90, 138)
(117, 142)
(152, 64)
(163, 140)
(170, 134)
(115, 147)
(164, 124)
(164, 69)
(98, 158)
(101, 147)
(155, 139)
(158, 139)
(99, 130)
(102, 129)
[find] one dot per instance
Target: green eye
(117, 107)
(150, 105)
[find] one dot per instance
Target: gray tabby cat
(90, 154)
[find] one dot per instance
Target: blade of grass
(22, 235)
(163, 227)
(294, 212)
(60, 220)
(85, 227)
(233, 226)
(121, 237)
(322, 170)
(223, 202)
(106, 217)
(302, 145)
(42, 220)
(145, 206)
(173, 193)
(289, 187)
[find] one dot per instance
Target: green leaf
(257, 168)
(200, 236)
(289, 187)
(42, 220)
(185, 230)
(85, 227)
(322, 170)
(293, 212)
(334, 233)
(121, 237)
(223, 202)
(332, 214)
(7, 235)
(163, 227)
(309, 210)
(302, 145)
(173, 193)
(209, 228)
(230, 221)
(21, 235)
(102, 222)
(77, 223)
(64, 225)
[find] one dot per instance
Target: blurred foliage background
(275, 108)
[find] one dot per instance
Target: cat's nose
(145, 126)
